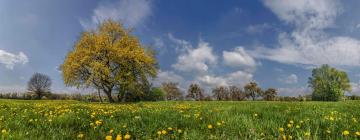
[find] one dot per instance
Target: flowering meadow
(179, 120)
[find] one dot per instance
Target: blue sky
(274, 42)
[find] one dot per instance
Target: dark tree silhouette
(39, 84)
(270, 94)
(252, 90)
(195, 92)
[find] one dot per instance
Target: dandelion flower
(210, 126)
(118, 137)
(281, 129)
(3, 131)
(357, 133)
(307, 134)
(289, 125)
(81, 135)
(345, 133)
(218, 123)
(179, 131)
(164, 132)
(108, 138)
(297, 126)
(291, 122)
(159, 132)
(127, 136)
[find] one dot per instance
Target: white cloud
(167, 76)
(257, 28)
(355, 88)
(239, 58)
(308, 43)
(10, 59)
(290, 79)
(196, 60)
(180, 45)
(132, 13)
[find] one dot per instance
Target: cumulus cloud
(308, 43)
(167, 76)
(132, 13)
(290, 79)
(196, 60)
(179, 44)
(239, 58)
(10, 59)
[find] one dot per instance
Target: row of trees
(113, 61)
(221, 93)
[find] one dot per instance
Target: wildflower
(159, 132)
(3, 131)
(345, 133)
(307, 134)
(255, 115)
(118, 137)
(111, 131)
(290, 137)
(179, 131)
(357, 133)
(170, 128)
(218, 123)
(99, 122)
(210, 126)
(108, 138)
(281, 129)
(127, 136)
(297, 126)
(291, 122)
(328, 131)
(289, 125)
(331, 118)
(164, 132)
(81, 135)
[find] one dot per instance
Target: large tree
(328, 84)
(221, 93)
(269, 94)
(172, 91)
(195, 92)
(236, 94)
(111, 59)
(252, 90)
(39, 84)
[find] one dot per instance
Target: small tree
(328, 84)
(269, 94)
(195, 92)
(236, 94)
(252, 90)
(172, 90)
(221, 93)
(39, 84)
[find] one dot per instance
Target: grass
(179, 120)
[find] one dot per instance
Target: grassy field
(179, 120)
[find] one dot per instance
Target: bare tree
(270, 94)
(172, 90)
(195, 92)
(39, 84)
(252, 90)
(221, 93)
(236, 93)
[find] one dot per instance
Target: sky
(273, 42)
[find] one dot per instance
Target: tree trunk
(100, 96)
(108, 93)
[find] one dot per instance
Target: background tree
(328, 84)
(195, 92)
(269, 94)
(39, 84)
(172, 91)
(221, 93)
(109, 58)
(236, 94)
(252, 90)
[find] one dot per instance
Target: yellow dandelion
(289, 125)
(179, 131)
(210, 126)
(81, 135)
(218, 123)
(297, 126)
(3, 131)
(118, 137)
(281, 129)
(159, 132)
(255, 115)
(328, 131)
(291, 122)
(290, 137)
(345, 133)
(164, 132)
(331, 118)
(111, 131)
(108, 138)
(99, 122)
(307, 134)
(357, 133)
(170, 128)
(127, 136)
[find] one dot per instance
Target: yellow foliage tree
(111, 59)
